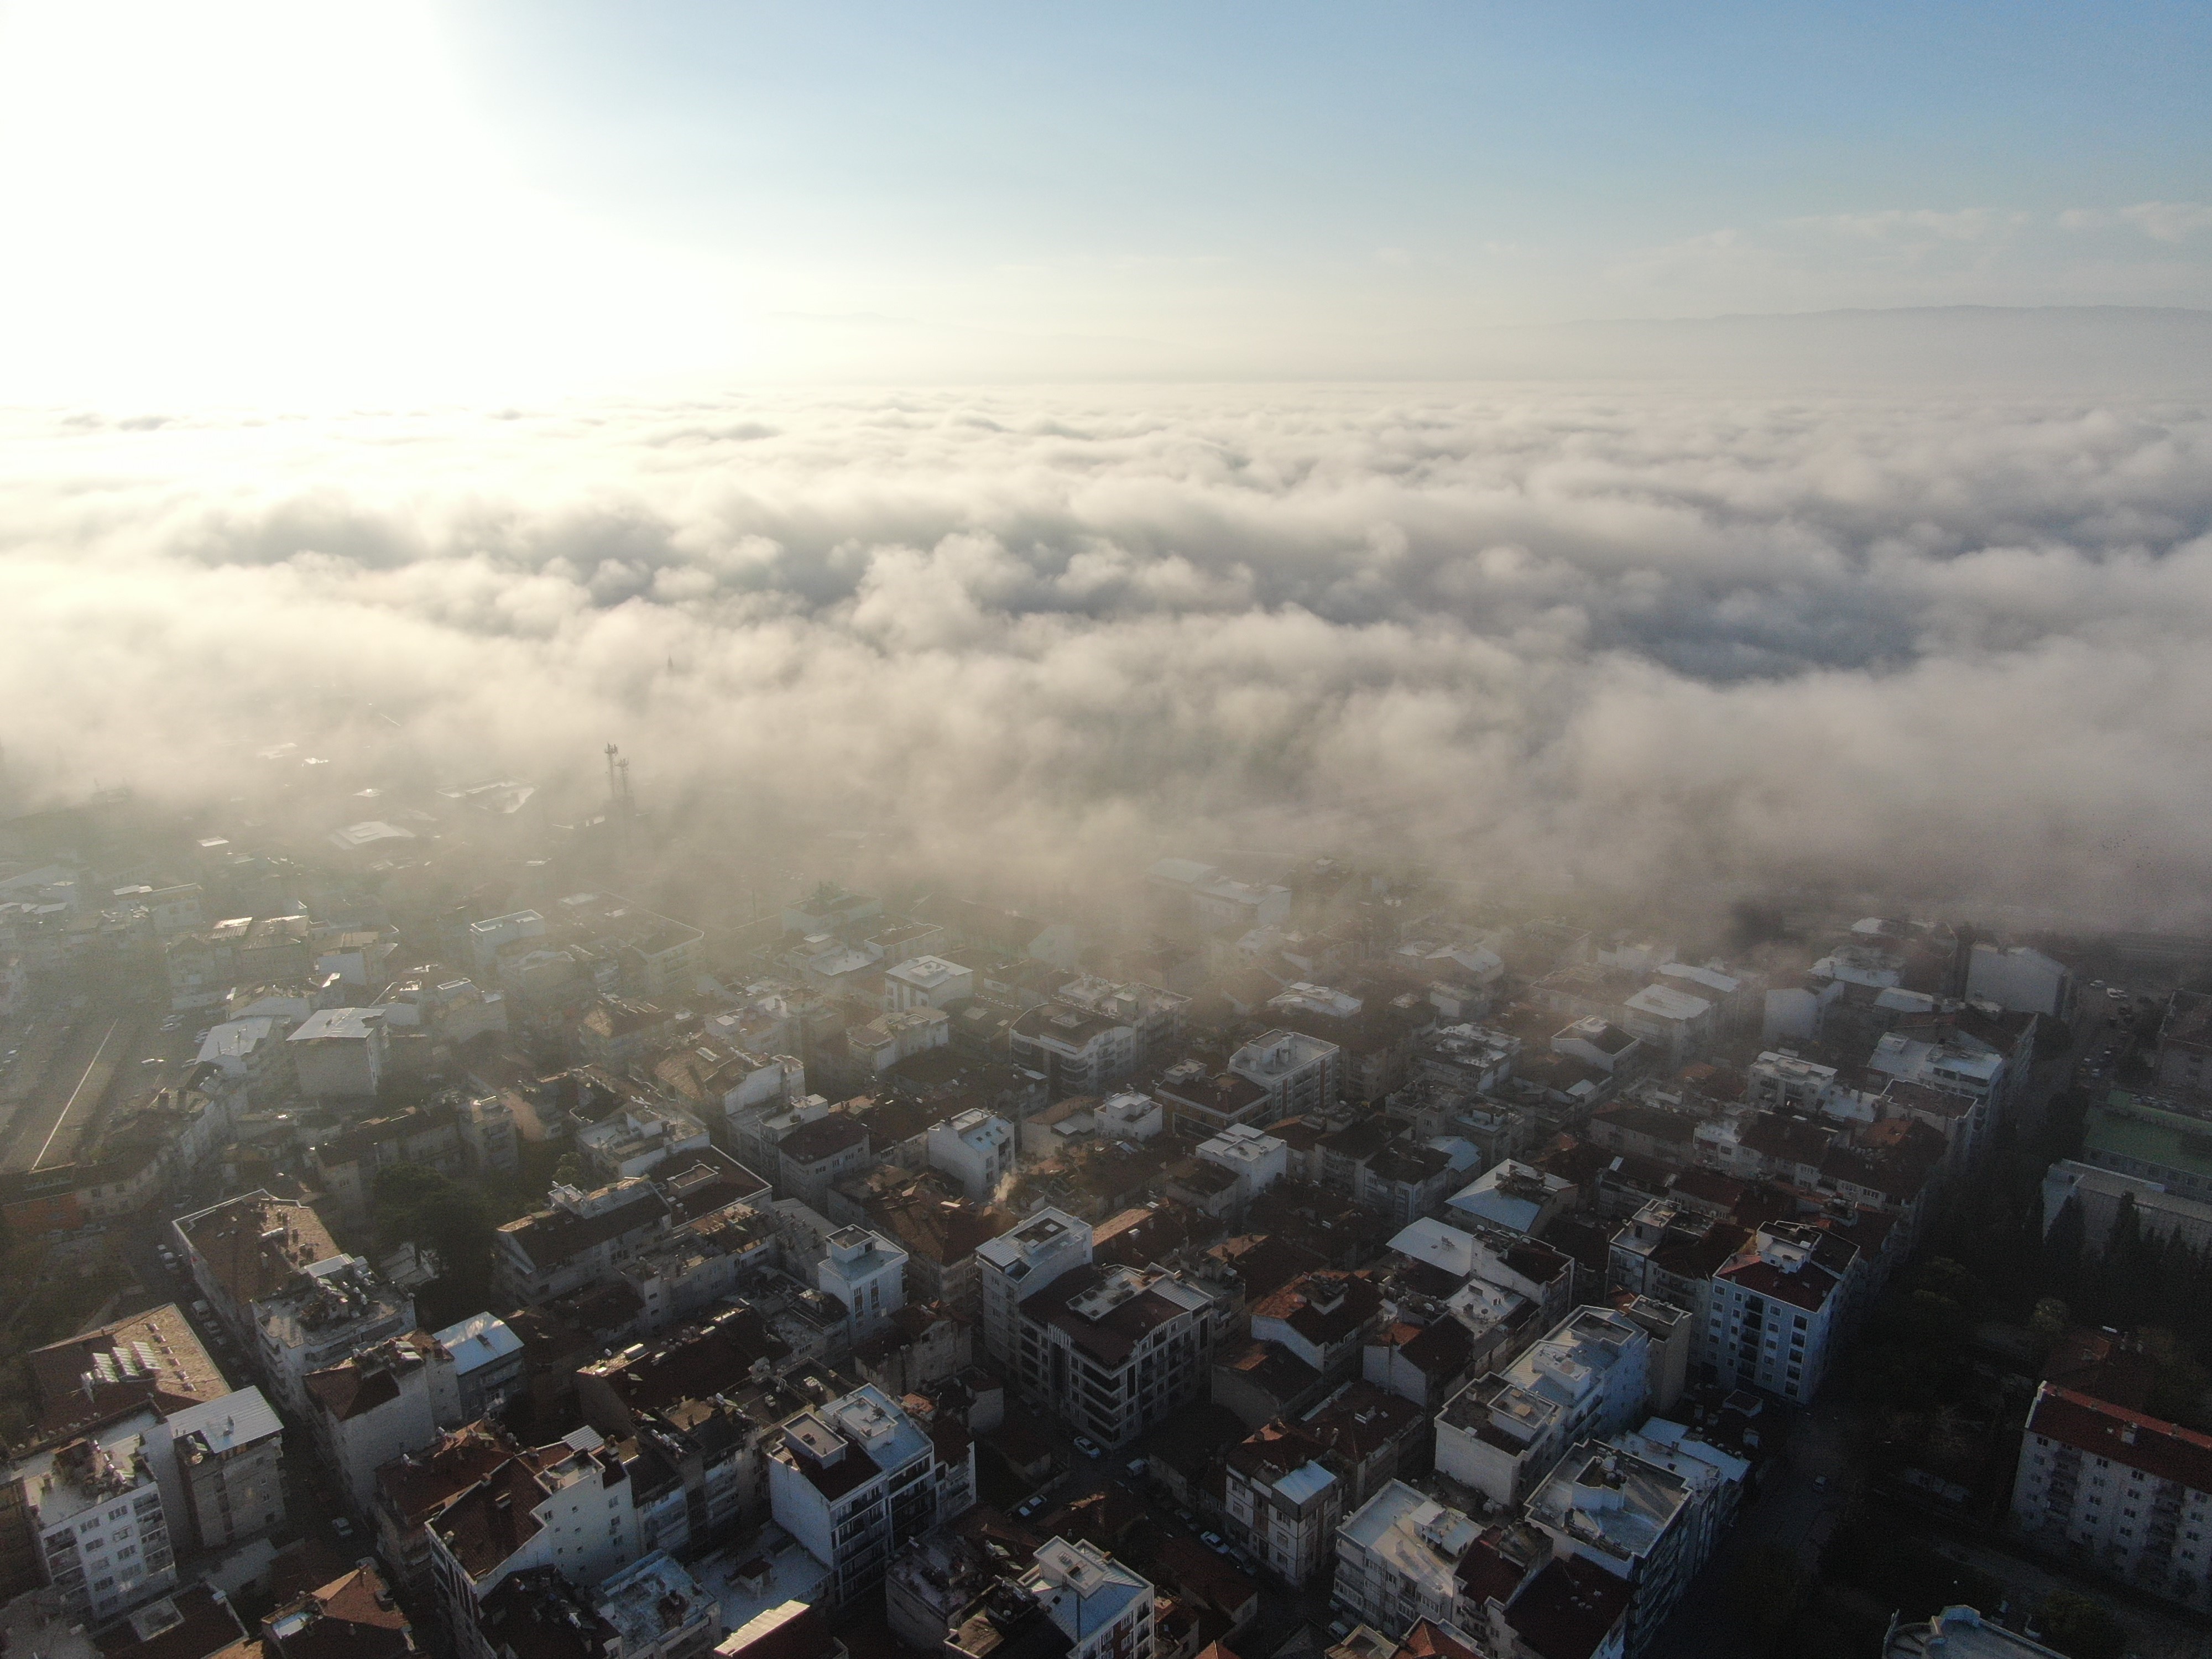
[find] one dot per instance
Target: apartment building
(565, 1506)
(867, 1273)
(229, 1455)
(1077, 1052)
(2118, 1490)
(96, 1519)
(1030, 1258)
(1297, 1073)
(578, 1239)
(977, 1149)
(1632, 1518)
(1112, 1351)
(1775, 1314)
(1103, 1608)
(1589, 1377)
(367, 1410)
(1397, 1560)
(855, 1479)
(1282, 1501)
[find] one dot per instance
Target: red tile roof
(2157, 1447)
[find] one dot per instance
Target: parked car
(1137, 1467)
(1088, 1448)
(1211, 1540)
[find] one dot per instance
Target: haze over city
(1229, 832)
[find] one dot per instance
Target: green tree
(1766, 1587)
(2049, 1322)
(416, 1205)
(2080, 1626)
(569, 1170)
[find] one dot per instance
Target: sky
(1612, 449)
(244, 198)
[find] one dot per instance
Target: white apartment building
(1282, 1501)
(477, 1369)
(1077, 1052)
(1672, 1020)
(1256, 1158)
(1631, 1517)
(1948, 1066)
(486, 937)
(95, 1515)
(1020, 1263)
(1103, 1609)
(1217, 903)
(976, 1149)
(567, 1505)
(1591, 1377)
(1397, 1560)
(856, 1479)
(867, 1273)
(1772, 1317)
(340, 1052)
(2125, 1493)
(637, 1140)
(926, 982)
(1155, 1016)
(271, 1271)
(1126, 1115)
(229, 1458)
(1113, 1350)
(1299, 1073)
(370, 1409)
(2020, 979)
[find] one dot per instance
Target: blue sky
(1223, 186)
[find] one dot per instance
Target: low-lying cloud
(1645, 643)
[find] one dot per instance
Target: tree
(569, 1171)
(2049, 1322)
(1766, 1587)
(417, 1205)
(2081, 1627)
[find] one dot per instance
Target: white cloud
(1647, 641)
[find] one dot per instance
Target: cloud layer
(1648, 643)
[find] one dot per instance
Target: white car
(1087, 1447)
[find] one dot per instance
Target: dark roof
(2157, 1447)
(1115, 1335)
(1650, 1121)
(1323, 1307)
(552, 1236)
(353, 1389)
(416, 1484)
(1362, 1419)
(190, 1624)
(1567, 1609)
(1263, 1262)
(805, 1635)
(825, 1138)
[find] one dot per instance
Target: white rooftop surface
(648, 1601)
(58, 1501)
(927, 972)
(1673, 1448)
(368, 833)
(1182, 872)
(1422, 1538)
(792, 1575)
(868, 1415)
(1711, 978)
(1430, 1241)
(478, 1342)
(1082, 1590)
(1665, 1002)
(231, 1421)
(1623, 1518)
(1303, 1482)
(234, 1039)
(343, 1022)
